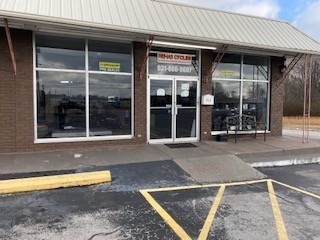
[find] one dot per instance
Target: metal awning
(164, 20)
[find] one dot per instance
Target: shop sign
(227, 72)
(109, 66)
(174, 58)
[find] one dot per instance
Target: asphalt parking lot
(160, 201)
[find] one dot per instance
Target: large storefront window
(255, 101)
(255, 68)
(237, 93)
(230, 67)
(83, 97)
(227, 102)
(110, 105)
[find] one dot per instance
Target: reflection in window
(255, 101)
(61, 105)
(229, 67)
(252, 85)
(110, 105)
(187, 93)
(160, 109)
(61, 88)
(255, 68)
(160, 93)
(227, 102)
(109, 57)
(60, 53)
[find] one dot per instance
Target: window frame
(87, 72)
(242, 80)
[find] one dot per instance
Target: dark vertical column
(7, 97)
(16, 104)
(140, 93)
(277, 97)
(206, 88)
(22, 41)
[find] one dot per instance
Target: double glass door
(173, 109)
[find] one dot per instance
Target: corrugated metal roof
(164, 18)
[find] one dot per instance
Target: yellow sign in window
(109, 66)
(228, 72)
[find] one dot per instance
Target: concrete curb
(289, 162)
(53, 182)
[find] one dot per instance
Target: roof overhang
(44, 24)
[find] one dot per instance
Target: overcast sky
(305, 14)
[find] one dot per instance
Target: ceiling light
(182, 45)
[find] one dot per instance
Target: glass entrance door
(186, 109)
(161, 109)
(173, 109)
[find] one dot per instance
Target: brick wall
(7, 97)
(277, 96)
(140, 104)
(206, 88)
(16, 100)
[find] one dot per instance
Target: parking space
(264, 209)
(171, 205)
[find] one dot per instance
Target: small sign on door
(161, 92)
(185, 86)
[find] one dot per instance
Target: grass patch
(297, 123)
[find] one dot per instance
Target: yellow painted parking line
(208, 223)
(281, 229)
(297, 189)
(169, 220)
(205, 186)
(282, 233)
(55, 181)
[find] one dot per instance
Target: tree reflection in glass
(227, 102)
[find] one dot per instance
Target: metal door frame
(174, 80)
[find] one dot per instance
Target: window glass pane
(186, 93)
(160, 123)
(61, 105)
(255, 68)
(109, 57)
(61, 53)
(227, 102)
(229, 67)
(160, 93)
(173, 62)
(255, 102)
(186, 122)
(110, 105)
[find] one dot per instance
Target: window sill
(82, 139)
(215, 133)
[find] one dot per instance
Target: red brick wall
(7, 97)
(206, 88)
(140, 103)
(276, 97)
(16, 102)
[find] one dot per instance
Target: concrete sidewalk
(207, 162)
(297, 133)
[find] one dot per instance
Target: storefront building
(82, 82)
